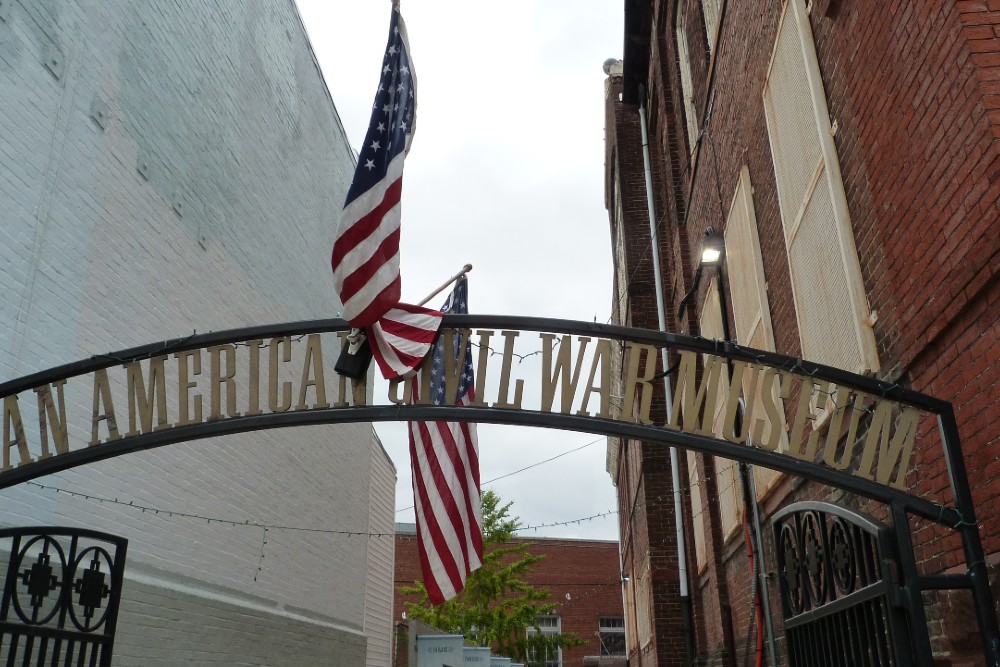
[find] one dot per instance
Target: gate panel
(60, 597)
(839, 589)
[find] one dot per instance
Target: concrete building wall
(166, 168)
(379, 613)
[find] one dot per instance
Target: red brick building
(848, 153)
(583, 577)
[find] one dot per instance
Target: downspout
(675, 473)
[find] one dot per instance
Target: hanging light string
(158, 511)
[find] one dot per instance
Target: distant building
(847, 154)
(583, 577)
(164, 168)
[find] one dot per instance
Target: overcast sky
(506, 172)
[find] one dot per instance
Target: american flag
(365, 255)
(445, 461)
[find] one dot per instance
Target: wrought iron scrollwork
(38, 584)
(60, 595)
(823, 557)
(838, 608)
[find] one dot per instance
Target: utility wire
(528, 467)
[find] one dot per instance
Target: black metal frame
(61, 609)
(960, 516)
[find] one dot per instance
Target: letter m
(690, 396)
(141, 400)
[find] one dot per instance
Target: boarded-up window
(751, 311)
(830, 303)
(687, 81)
(726, 471)
(643, 608)
(698, 514)
(710, 10)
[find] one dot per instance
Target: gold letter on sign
(773, 422)
(52, 418)
(141, 400)
(508, 358)
(312, 366)
(550, 376)
(602, 358)
(184, 387)
(273, 405)
(892, 451)
(690, 396)
(484, 360)
(102, 397)
(253, 347)
(639, 383)
(12, 422)
(220, 379)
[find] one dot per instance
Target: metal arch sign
(812, 421)
(843, 430)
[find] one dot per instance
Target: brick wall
(913, 95)
(582, 576)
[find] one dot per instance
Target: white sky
(506, 172)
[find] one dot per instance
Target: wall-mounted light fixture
(713, 247)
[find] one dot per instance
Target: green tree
(497, 606)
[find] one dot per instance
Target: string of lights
(158, 511)
(350, 533)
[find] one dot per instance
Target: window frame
(603, 629)
(539, 628)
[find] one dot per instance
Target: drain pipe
(675, 474)
(762, 572)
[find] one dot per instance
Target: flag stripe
(369, 224)
(369, 316)
(445, 459)
(439, 584)
(372, 278)
(450, 485)
(437, 529)
(396, 354)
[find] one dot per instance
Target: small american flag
(365, 255)
(445, 461)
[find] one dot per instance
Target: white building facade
(165, 168)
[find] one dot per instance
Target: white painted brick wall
(218, 109)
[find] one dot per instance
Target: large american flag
(366, 249)
(445, 461)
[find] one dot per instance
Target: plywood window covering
(751, 311)
(726, 471)
(830, 302)
(698, 514)
(687, 86)
(643, 609)
(710, 10)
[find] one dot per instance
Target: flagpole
(465, 269)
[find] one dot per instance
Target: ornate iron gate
(840, 592)
(60, 597)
